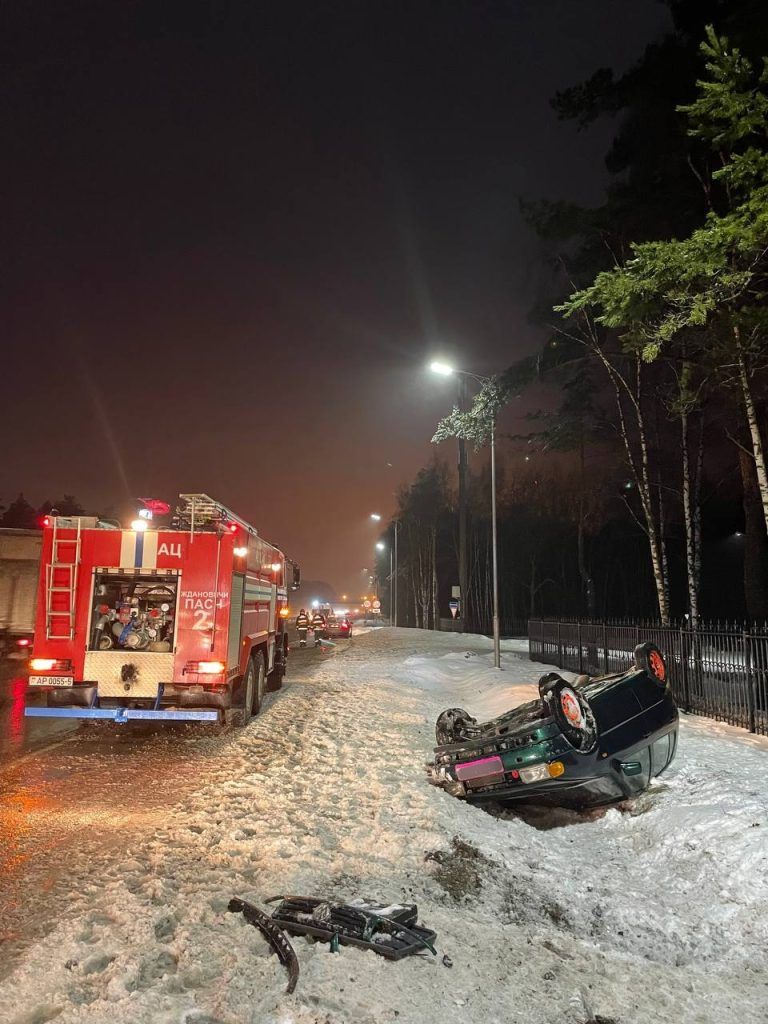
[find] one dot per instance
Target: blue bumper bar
(122, 715)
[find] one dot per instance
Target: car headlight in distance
(541, 772)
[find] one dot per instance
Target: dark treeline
(20, 515)
(568, 546)
(644, 490)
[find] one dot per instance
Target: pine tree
(19, 515)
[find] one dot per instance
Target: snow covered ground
(657, 912)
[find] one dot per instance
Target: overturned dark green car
(590, 742)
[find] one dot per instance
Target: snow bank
(658, 912)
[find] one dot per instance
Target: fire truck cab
(186, 623)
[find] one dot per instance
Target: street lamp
(445, 370)
(442, 368)
(393, 568)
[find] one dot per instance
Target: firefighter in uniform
(302, 624)
(318, 626)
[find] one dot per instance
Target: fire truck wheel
(242, 715)
(275, 677)
(260, 689)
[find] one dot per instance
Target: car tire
(649, 659)
(241, 716)
(570, 709)
(452, 726)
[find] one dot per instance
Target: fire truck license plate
(51, 680)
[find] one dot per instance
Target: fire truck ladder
(61, 585)
(199, 510)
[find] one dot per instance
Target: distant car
(586, 743)
(339, 626)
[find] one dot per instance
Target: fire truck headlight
(139, 525)
(42, 664)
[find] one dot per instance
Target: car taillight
(50, 665)
(205, 668)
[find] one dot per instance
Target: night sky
(235, 231)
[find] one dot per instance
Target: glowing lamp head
(443, 369)
(23, 642)
(241, 552)
(276, 567)
(380, 546)
(139, 525)
(375, 517)
(284, 613)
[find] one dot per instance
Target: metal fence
(717, 670)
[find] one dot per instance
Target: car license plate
(486, 767)
(51, 680)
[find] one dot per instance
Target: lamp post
(393, 568)
(445, 370)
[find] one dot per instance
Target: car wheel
(242, 715)
(650, 660)
(453, 726)
(570, 709)
(260, 688)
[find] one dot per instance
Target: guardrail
(717, 670)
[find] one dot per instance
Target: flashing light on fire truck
(240, 552)
(139, 525)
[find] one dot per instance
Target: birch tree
(714, 281)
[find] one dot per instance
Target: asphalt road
(20, 735)
(78, 795)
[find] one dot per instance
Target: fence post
(559, 647)
(684, 667)
(751, 695)
(581, 657)
(605, 647)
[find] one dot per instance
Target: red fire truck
(186, 623)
